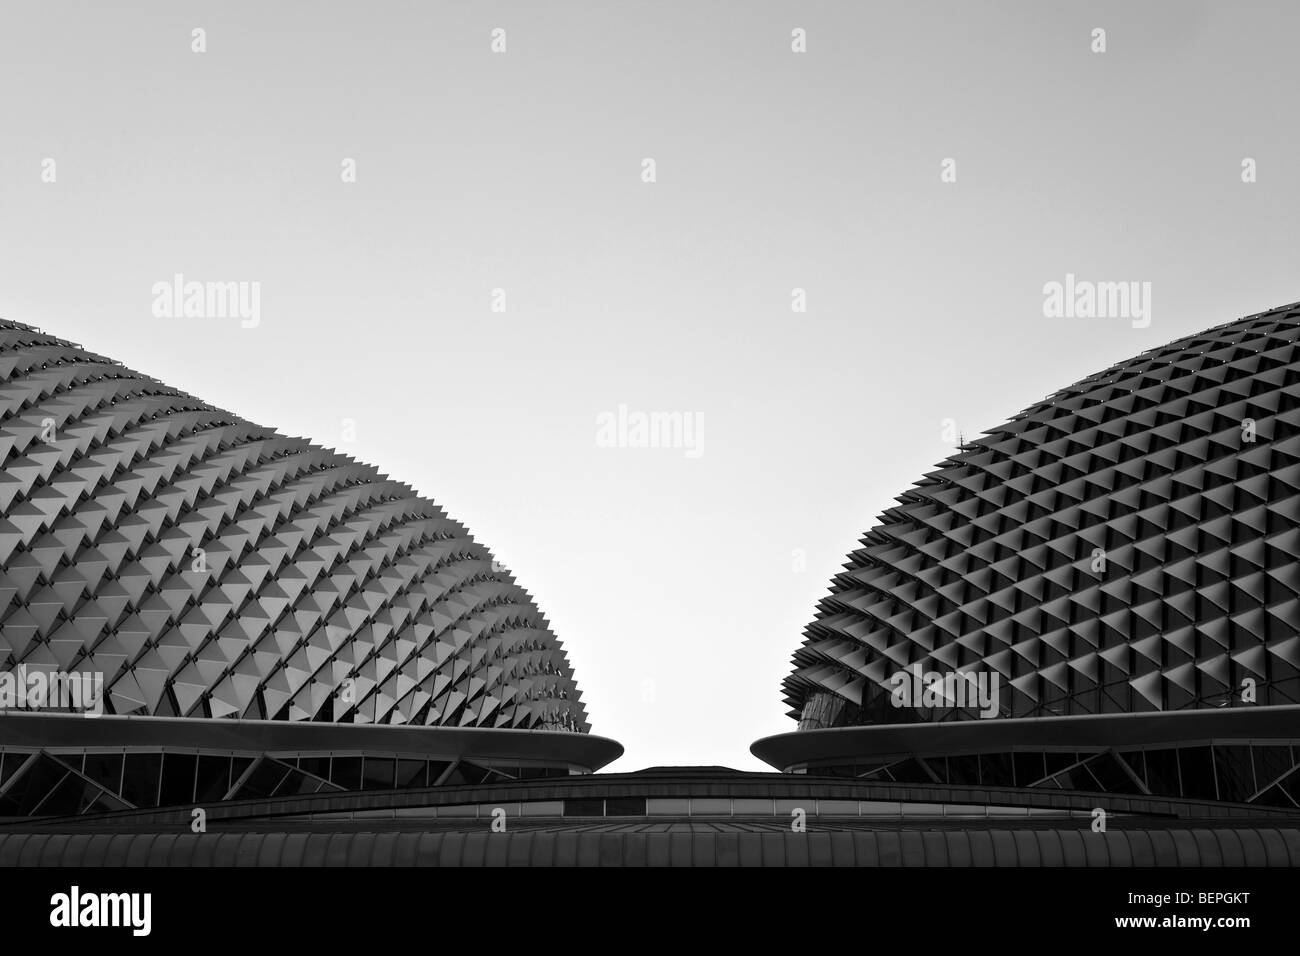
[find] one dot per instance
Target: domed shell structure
(1128, 544)
(210, 567)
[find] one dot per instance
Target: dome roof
(210, 567)
(1128, 544)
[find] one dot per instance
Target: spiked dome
(1130, 543)
(210, 567)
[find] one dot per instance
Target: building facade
(1101, 595)
(198, 608)
(1076, 642)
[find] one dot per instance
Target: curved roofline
(1176, 468)
(801, 747)
(30, 729)
(214, 550)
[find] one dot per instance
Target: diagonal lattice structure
(210, 567)
(1131, 543)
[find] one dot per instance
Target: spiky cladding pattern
(988, 563)
(324, 591)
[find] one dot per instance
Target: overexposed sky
(679, 583)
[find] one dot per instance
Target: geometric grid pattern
(1179, 469)
(210, 567)
(1262, 774)
(71, 782)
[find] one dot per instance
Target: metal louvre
(208, 567)
(1128, 544)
